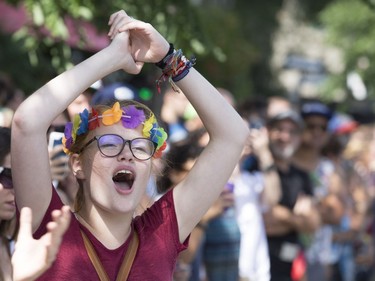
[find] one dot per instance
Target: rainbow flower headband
(131, 118)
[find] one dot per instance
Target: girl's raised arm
(30, 162)
(227, 130)
(228, 134)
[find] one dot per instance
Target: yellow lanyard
(126, 263)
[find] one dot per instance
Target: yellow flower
(148, 126)
(113, 115)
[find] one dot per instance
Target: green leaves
(349, 26)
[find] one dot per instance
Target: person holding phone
(111, 152)
(8, 227)
(62, 178)
(58, 158)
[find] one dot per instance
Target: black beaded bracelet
(269, 168)
(161, 64)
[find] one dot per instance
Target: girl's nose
(126, 153)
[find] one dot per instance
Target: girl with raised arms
(112, 149)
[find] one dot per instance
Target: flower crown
(130, 116)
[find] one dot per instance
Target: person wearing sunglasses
(7, 206)
(112, 149)
(320, 252)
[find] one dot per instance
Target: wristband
(175, 67)
(269, 168)
(162, 64)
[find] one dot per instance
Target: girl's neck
(110, 230)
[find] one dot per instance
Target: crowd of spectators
(299, 205)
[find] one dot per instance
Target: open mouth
(124, 179)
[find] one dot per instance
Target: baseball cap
(289, 114)
(118, 91)
(316, 108)
(342, 123)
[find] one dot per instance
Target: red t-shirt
(157, 252)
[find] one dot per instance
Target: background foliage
(232, 39)
(349, 25)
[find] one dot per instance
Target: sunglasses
(6, 177)
(57, 128)
(319, 127)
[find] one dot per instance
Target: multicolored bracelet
(175, 66)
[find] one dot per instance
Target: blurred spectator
(221, 249)
(192, 122)
(276, 105)
(308, 157)
(250, 189)
(175, 109)
(295, 212)
(117, 91)
(359, 151)
(62, 177)
(252, 111)
(342, 124)
(350, 187)
(79, 104)
(179, 115)
(7, 207)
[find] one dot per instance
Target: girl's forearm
(57, 94)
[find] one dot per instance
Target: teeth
(124, 172)
(124, 177)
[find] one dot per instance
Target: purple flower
(68, 134)
(133, 117)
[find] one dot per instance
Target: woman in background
(7, 207)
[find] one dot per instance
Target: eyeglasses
(6, 178)
(111, 145)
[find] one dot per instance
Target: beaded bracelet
(175, 66)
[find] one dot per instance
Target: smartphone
(55, 138)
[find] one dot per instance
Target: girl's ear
(76, 165)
